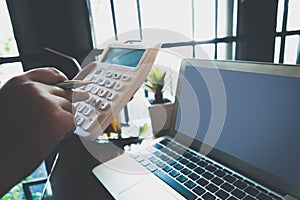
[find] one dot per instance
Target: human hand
(35, 117)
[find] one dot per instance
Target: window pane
(8, 45)
(291, 48)
(234, 20)
(277, 49)
(183, 51)
(168, 14)
(127, 18)
(102, 22)
(225, 51)
(205, 51)
(9, 70)
(204, 19)
(226, 17)
(293, 22)
(280, 15)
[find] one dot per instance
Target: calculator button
(87, 111)
(116, 76)
(104, 105)
(88, 87)
(95, 89)
(108, 74)
(111, 96)
(102, 81)
(118, 86)
(93, 78)
(95, 102)
(110, 84)
(80, 107)
(79, 120)
(102, 93)
(89, 99)
(98, 71)
(125, 78)
(90, 121)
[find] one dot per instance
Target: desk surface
(72, 176)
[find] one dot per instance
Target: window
(8, 47)
(216, 32)
(287, 32)
(102, 22)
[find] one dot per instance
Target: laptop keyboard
(196, 177)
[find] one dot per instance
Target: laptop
(234, 134)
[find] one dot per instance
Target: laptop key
(190, 184)
(178, 166)
(199, 190)
(240, 184)
(232, 198)
(167, 168)
(181, 178)
(175, 185)
(151, 168)
(202, 163)
(210, 168)
(219, 173)
(208, 175)
(158, 146)
(222, 194)
(217, 181)
(185, 171)
(195, 159)
(251, 190)
(227, 187)
(238, 193)
(199, 170)
(263, 196)
(183, 161)
(249, 198)
(171, 162)
(174, 173)
(229, 178)
(191, 165)
(194, 176)
(202, 181)
(208, 196)
(160, 164)
(211, 187)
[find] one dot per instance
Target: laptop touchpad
(146, 189)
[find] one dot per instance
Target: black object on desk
(72, 176)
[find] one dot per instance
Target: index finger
(48, 75)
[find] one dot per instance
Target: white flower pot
(160, 115)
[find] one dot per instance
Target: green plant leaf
(6, 48)
(143, 129)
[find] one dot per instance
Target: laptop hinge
(288, 197)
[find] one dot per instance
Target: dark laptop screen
(262, 123)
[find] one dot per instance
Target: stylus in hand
(72, 84)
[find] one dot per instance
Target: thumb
(85, 71)
(48, 75)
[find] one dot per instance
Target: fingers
(48, 75)
(90, 67)
(79, 96)
(70, 95)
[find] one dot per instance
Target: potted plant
(160, 108)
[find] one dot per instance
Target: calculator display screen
(124, 56)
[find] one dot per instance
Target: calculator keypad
(103, 92)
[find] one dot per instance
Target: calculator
(119, 73)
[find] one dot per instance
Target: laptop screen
(262, 120)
